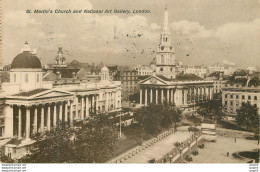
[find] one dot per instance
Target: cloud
(18, 18)
(155, 26)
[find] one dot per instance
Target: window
(225, 102)
(225, 96)
(249, 97)
(161, 69)
(255, 98)
(38, 77)
(231, 103)
(14, 77)
(243, 97)
(237, 97)
(231, 96)
(162, 59)
(26, 78)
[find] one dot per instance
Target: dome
(104, 69)
(26, 60)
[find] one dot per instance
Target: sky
(202, 31)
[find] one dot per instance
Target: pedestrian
(227, 154)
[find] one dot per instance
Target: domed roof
(26, 60)
(104, 69)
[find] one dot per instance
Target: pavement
(216, 152)
(159, 149)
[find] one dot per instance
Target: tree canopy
(247, 115)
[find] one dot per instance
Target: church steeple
(165, 59)
(165, 24)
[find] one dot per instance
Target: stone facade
(234, 95)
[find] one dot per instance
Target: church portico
(155, 90)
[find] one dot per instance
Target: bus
(208, 130)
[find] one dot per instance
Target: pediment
(53, 93)
(153, 80)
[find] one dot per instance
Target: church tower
(60, 59)
(165, 59)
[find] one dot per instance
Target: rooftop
(30, 93)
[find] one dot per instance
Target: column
(77, 103)
(106, 106)
(181, 97)
(87, 107)
(151, 95)
(141, 98)
(97, 103)
(42, 118)
(206, 93)
(92, 103)
(176, 98)
(82, 108)
(27, 123)
(210, 93)
(172, 98)
(55, 115)
(162, 96)
(156, 96)
(66, 112)
(202, 93)
(49, 118)
(116, 101)
(71, 112)
(185, 96)
(35, 121)
(145, 97)
(195, 94)
(168, 96)
(19, 123)
(199, 94)
(60, 112)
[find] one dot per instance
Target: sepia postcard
(129, 81)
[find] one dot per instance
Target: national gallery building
(32, 105)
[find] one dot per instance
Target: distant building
(143, 70)
(218, 80)
(129, 81)
(113, 70)
(200, 71)
(240, 90)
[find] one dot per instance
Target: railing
(178, 153)
(132, 152)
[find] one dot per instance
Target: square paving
(159, 149)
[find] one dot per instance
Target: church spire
(165, 24)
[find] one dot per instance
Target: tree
(86, 142)
(247, 115)
(153, 118)
(212, 110)
(149, 117)
(96, 140)
(54, 146)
